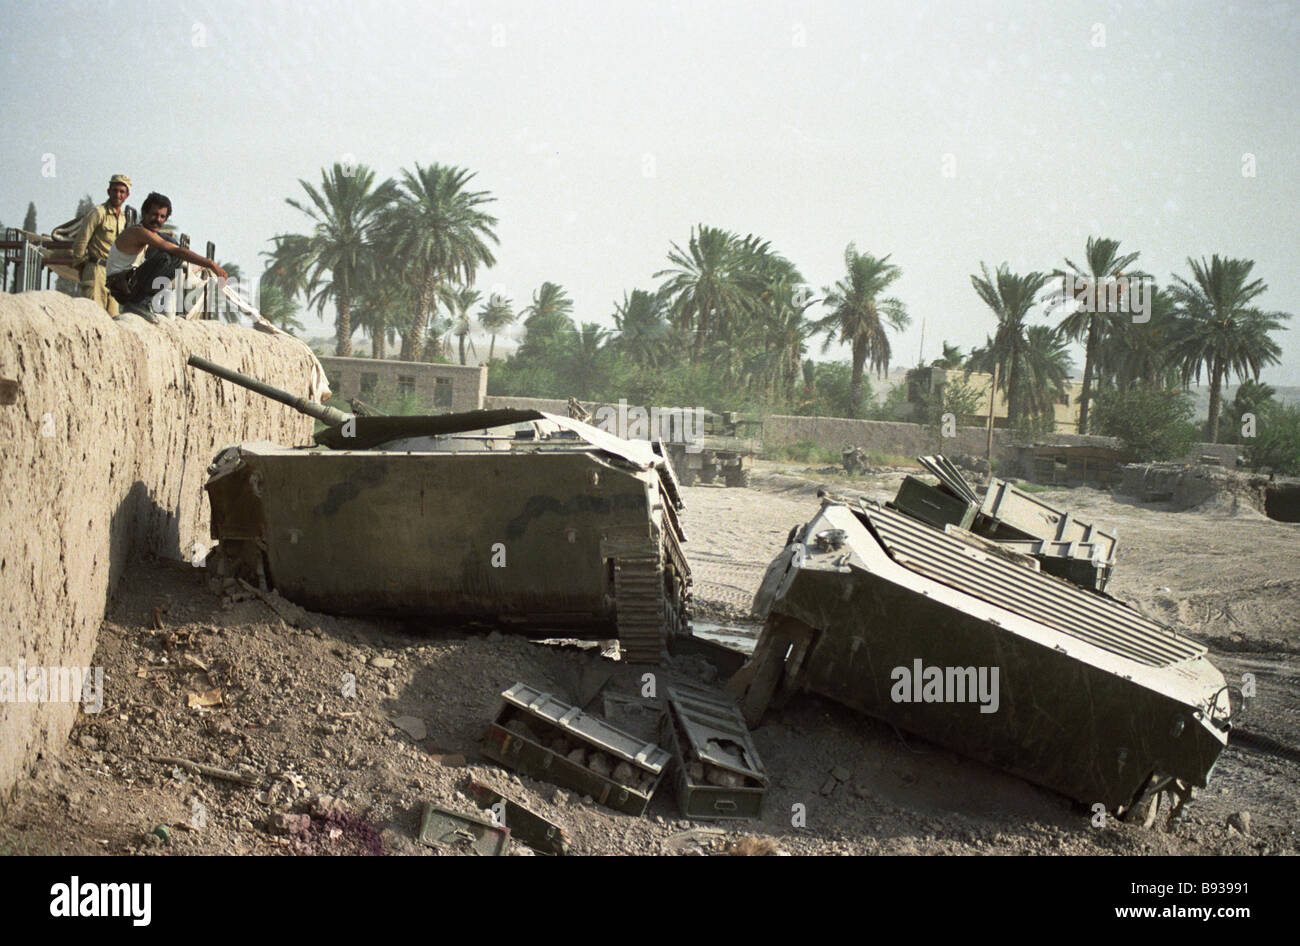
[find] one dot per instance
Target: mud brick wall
(103, 455)
(911, 440)
(878, 436)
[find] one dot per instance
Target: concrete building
(437, 389)
(924, 380)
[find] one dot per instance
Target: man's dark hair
(156, 200)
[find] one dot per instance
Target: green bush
(804, 451)
(825, 391)
(1276, 444)
(1150, 423)
(894, 407)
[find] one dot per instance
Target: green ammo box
(930, 504)
(716, 771)
(540, 736)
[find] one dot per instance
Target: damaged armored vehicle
(514, 517)
(974, 645)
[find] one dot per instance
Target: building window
(442, 392)
(406, 384)
(369, 382)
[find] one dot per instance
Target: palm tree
(1134, 353)
(710, 287)
(436, 227)
(1221, 332)
(587, 357)
(1093, 323)
(779, 325)
(384, 305)
(1044, 371)
(952, 358)
(1251, 397)
(643, 332)
(856, 316)
(1010, 296)
(345, 211)
(495, 315)
(785, 336)
(462, 300)
(278, 307)
(288, 262)
(548, 325)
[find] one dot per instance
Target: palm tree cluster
(388, 255)
(1206, 324)
(730, 319)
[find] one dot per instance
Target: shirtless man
(132, 275)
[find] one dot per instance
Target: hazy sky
(607, 130)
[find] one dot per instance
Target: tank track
(648, 614)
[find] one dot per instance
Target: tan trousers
(93, 287)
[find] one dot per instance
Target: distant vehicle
(725, 451)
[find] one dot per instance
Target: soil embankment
(106, 447)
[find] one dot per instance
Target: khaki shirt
(98, 230)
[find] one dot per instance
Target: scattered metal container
(936, 506)
(525, 825)
(446, 829)
(716, 769)
(540, 736)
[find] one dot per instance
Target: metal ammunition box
(524, 825)
(717, 773)
(443, 828)
(1020, 515)
(932, 505)
(535, 734)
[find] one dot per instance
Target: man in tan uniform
(98, 230)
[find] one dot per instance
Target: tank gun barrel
(302, 405)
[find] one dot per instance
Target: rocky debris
(1239, 821)
(289, 823)
(413, 726)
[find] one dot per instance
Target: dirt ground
(339, 730)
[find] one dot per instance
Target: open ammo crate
(717, 771)
(933, 504)
(540, 736)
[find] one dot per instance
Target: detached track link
(641, 609)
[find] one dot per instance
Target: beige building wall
(441, 389)
(1066, 415)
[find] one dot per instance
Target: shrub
(1150, 423)
(1276, 444)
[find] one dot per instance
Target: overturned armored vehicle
(975, 647)
(514, 517)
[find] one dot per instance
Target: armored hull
(986, 655)
(525, 519)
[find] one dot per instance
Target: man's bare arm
(145, 237)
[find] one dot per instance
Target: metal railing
(25, 260)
